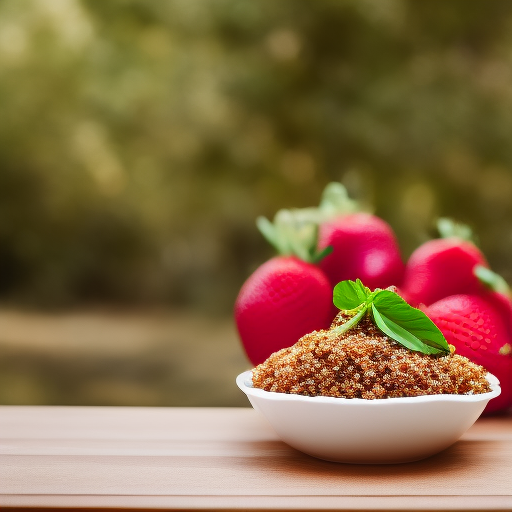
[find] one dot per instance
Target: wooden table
(187, 458)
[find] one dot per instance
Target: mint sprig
(391, 314)
(350, 295)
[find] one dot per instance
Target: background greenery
(139, 139)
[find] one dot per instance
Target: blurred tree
(140, 139)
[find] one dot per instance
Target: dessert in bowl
(358, 393)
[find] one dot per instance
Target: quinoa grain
(365, 363)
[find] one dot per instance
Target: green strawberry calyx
(492, 280)
(335, 201)
(449, 228)
(294, 232)
(392, 315)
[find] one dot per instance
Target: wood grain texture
(188, 458)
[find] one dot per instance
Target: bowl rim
(244, 382)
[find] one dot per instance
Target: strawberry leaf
(492, 280)
(294, 233)
(335, 201)
(349, 295)
(407, 325)
(448, 228)
(317, 257)
(269, 232)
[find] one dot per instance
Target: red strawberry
(281, 301)
(364, 247)
(478, 331)
(287, 296)
(442, 267)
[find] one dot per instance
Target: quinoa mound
(365, 363)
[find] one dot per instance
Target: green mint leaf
(349, 295)
(352, 322)
(404, 337)
(398, 333)
(492, 280)
(407, 325)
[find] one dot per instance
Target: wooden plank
(259, 503)
(226, 459)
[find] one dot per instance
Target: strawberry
(288, 296)
(364, 247)
(443, 267)
(284, 299)
(478, 331)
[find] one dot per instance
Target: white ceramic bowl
(360, 431)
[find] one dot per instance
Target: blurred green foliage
(140, 138)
